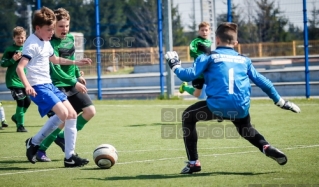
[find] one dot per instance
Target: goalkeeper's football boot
(181, 87)
(42, 157)
(190, 168)
(31, 150)
(60, 142)
(275, 154)
(75, 161)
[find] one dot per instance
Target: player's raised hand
(84, 61)
(287, 105)
(173, 60)
(17, 56)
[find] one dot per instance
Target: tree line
(137, 19)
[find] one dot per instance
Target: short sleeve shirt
(38, 52)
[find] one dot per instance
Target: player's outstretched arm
(62, 61)
(288, 105)
(173, 60)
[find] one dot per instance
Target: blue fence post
(305, 34)
(38, 4)
(229, 11)
(160, 44)
(98, 52)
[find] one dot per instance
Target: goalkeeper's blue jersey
(227, 75)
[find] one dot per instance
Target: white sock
(47, 129)
(192, 162)
(2, 114)
(70, 133)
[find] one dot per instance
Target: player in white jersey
(36, 56)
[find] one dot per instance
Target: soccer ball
(105, 156)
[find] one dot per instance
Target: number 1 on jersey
(231, 81)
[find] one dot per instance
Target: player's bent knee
(61, 111)
(72, 114)
(89, 112)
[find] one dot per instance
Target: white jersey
(38, 52)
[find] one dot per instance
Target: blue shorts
(47, 96)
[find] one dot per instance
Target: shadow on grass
(160, 124)
(172, 176)
(138, 125)
(22, 162)
(2, 131)
(13, 161)
(153, 124)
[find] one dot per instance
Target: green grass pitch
(151, 155)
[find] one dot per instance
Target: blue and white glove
(173, 60)
(287, 105)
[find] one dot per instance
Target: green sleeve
(7, 59)
(193, 48)
(194, 51)
(57, 74)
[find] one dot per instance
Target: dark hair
(44, 16)
(227, 32)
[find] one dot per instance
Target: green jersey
(194, 46)
(12, 78)
(65, 75)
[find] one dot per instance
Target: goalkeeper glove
(173, 60)
(203, 48)
(287, 105)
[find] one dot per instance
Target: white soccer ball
(105, 156)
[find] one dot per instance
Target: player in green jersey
(10, 60)
(200, 45)
(69, 80)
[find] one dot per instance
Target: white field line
(151, 150)
(161, 159)
(145, 150)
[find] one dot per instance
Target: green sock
(80, 122)
(19, 116)
(189, 89)
(45, 144)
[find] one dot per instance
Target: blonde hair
(18, 31)
(44, 16)
(203, 24)
(227, 32)
(61, 13)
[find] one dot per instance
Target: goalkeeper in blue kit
(227, 75)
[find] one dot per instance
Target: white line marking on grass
(162, 159)
(302, 146)
(211, 148)
(146, 150)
